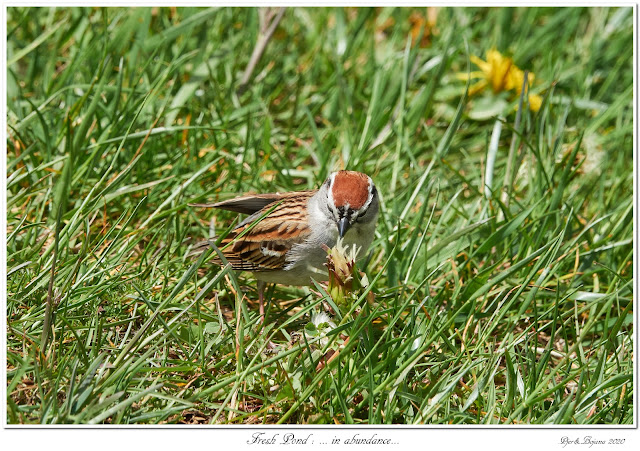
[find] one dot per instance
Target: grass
(501, 270)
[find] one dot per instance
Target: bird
(286, 235)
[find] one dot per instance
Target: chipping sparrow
(286, 245)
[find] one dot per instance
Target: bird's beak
(343, 226)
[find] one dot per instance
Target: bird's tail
(199, 247)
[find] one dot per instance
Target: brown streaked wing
(265, 245)
(249, 204)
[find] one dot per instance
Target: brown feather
(248, 204)
(265, 244)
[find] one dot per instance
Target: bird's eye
(360, 215)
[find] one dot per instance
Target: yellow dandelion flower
(515, 82)
(535, 102)
(496, 70)
(501, 74)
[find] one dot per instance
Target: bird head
(352, 199)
